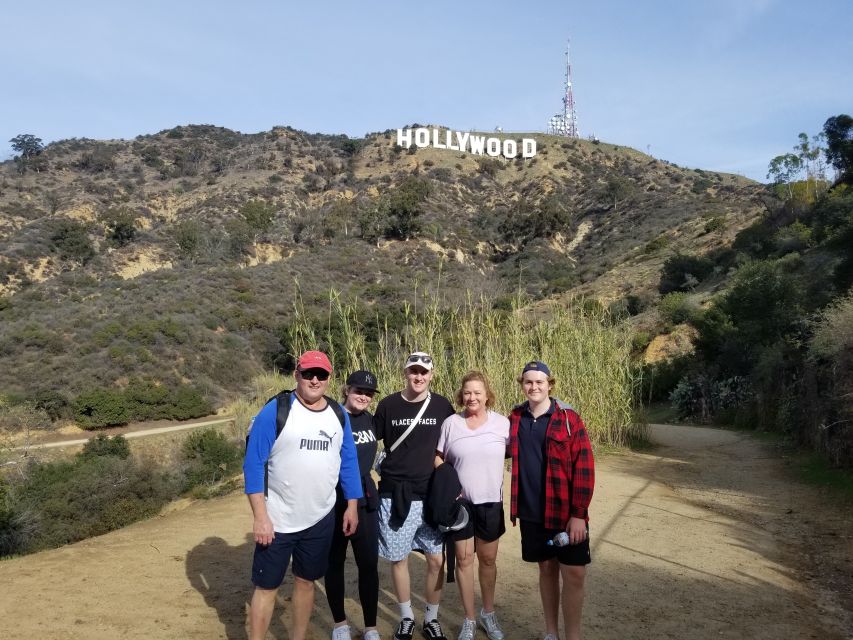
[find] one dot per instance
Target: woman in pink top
(474, 441)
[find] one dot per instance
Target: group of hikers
(308, 479)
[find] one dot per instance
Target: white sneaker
(467, 630)
(341, 633)
(550, 636)
(489, 622)
(373, 634)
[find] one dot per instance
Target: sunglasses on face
(309, 374)
(415, 359)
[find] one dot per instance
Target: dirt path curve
(76, 436)
(707, 536)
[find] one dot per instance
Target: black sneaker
(432, 631)
(405, 629)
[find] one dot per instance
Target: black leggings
(365, 548)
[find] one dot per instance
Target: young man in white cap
(409, 424)
(299, 447)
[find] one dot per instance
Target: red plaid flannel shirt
(570, 470)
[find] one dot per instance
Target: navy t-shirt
(531, 464)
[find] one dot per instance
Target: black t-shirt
(365, 440)
(365, 448)
(531, 464)
(413, 460)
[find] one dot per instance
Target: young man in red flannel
(553, 475)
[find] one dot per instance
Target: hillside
(176, 258)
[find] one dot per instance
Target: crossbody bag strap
(413, 425)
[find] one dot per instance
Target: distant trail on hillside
(136, 431)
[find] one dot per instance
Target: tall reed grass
(588, 355)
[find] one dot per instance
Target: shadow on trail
(221, 574)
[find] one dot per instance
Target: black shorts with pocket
(535, 547)
(486, 523)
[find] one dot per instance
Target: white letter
(528, 147)
(462, 138)
(477, 144)
(510, 149)
(449, 141)
(422, 137)
(406, 141)
(493, 147)
(435, 142)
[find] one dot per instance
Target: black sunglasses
(415, 358)
(309, 374)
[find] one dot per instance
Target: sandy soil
(706, 536)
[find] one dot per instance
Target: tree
(618, 189)
(28, 147)
(785, 169)
(839, 145)
(71, 240)
(403, 207)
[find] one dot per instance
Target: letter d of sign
(528, 147)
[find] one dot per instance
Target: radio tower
(566, 123)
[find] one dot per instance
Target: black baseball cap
(363, 380)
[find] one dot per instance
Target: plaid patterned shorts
(415, 534)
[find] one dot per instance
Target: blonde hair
(479, 377)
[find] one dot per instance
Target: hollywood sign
(464, 141)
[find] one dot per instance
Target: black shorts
(309, 548)
(535, 547)
(486, 523)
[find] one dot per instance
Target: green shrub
(119, 226)
(677, 308)
(98, 408)
(53, 403)
(71, 240)
(103, 445)
(258, 215)
(210, 457)
(682, 272)
(87, 497)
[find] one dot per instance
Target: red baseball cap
(314, 360)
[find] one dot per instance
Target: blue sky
(721, 84)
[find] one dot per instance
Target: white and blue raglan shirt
(310, 455)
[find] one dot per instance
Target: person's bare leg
(400, 578)
(487, 553)
(260, 612)
(465, 575)
(303, 605)
(434, 578)
(572, 599)
(549, 591)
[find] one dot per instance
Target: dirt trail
(707, 536)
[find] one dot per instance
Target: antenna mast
(566, 123)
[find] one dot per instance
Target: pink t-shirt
(477, 455)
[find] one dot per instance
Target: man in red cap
(299, 446)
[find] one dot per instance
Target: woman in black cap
(357, 394)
